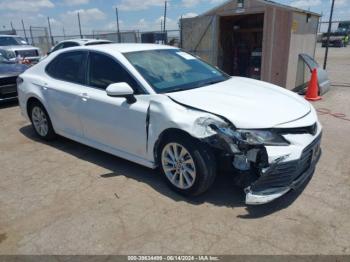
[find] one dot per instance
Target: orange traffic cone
(312, 90)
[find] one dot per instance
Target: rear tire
(188, 166)
(41, 121)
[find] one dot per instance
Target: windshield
(12, 40)
(174, 70)
(4, 58)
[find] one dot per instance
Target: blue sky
(134, 14)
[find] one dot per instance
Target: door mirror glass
(119, 90)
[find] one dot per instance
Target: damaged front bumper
(284, 176)
(268, 170)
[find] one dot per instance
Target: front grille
(7, 80)
(27, 53)
(298, 130)
(286, 173)
(8, 87)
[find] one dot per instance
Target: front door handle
(84, 97)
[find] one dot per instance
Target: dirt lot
(66, 198)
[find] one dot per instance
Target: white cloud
(89, 18)
(145, 25)
(190, 3)
(25, 5)
(75, 2)
(161, 19)
(341, 2)
(91, 14)
(189, 15)
(193, 3)
(135, 5)
(306, 3)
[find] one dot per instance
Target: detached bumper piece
(285, 176)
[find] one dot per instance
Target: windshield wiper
(195, 86)
(209, 83)
(177, 90)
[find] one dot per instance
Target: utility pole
(164, 27)
(328, 35)
(51, 37)
(181, 37)
(31, 34)
(118, 29)
(12, 26)
(164, 20)
(24, 30)
(81, 36)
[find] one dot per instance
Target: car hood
(11, 69)
(247, 103)
(19, 47)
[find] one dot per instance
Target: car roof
(10, 35)
(126, 48)
(85, 41)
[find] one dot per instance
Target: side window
(105, 71)
(69, 67)
(69, 44)
(58, 47)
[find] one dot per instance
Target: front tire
(188, 166)
(41, 122)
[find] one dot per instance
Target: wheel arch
(30, 101)
(170, 132)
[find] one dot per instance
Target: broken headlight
(238, 137)
(265, 137)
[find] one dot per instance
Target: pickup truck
(17, 48)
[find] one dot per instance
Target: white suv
(161, 107)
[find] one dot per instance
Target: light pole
(81, 36)
(24, 30)
(164, 27)
(328, 35)
(118, 29)
(48, 21)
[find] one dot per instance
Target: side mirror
(121, 90)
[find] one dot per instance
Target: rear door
(64, 90)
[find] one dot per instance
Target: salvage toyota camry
(161, 107)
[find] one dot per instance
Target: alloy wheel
(178, 166)
(40, 121)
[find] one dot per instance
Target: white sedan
(161, 107)
(78, 42)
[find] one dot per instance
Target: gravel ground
(66, 198)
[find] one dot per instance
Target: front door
(111, 121)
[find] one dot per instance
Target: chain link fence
(122, 37)
(36, 36)
(40, 37)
